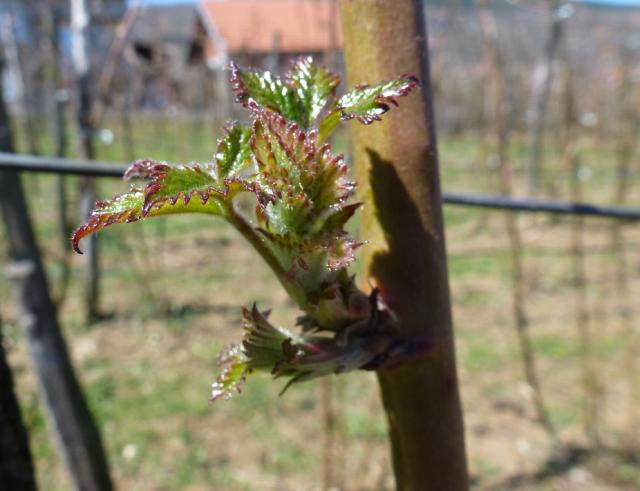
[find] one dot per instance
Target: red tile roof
(259, 26)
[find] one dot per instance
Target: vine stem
(397, 171)
(251, 235)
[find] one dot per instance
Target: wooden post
(76, 432)
(397, 172)
(16, 465)
(80, 24)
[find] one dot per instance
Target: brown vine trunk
(397, 170)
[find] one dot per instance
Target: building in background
(268, 33)
(173, 45)
(166, 49)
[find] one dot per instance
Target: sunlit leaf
(192, 188)
(267, 90)
(367, 103)
(233, 155)
(179, 189)
(234, 372)
(313, 84)
(300, 97)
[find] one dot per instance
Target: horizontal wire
(29, 163)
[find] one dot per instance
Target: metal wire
(28, 163)
(541, 206)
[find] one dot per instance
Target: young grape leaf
(261, 350)
(233, 155)
(234, 372)
(313, 84)
(307, 183)
(192, 188)
(302, 221)
(299, 98)
(266, 347)
(265, 89)
(367, 103)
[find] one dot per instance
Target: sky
(622, 3)
(160, 2)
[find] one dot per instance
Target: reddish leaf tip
(145, 168)
(77, 235)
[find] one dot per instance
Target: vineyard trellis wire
(30, 163)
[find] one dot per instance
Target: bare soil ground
(173, 289)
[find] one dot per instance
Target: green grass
(483, 355)
(556, 347)
(151, 394)
(478, 264)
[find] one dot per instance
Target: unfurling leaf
(268, 348)
(261, 349)
(300, 97)
(302, 221)
(307, 183)
(367, 103)
(233, 374)
(313, 84)
(267, 90)
(233, 155)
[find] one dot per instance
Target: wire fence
(30, 163)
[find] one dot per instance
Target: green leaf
(302, 218)
(192, 188)
(234, 372)
(263, 344)
(254, 89)
(184, 189)
(262, 349)
(233, 155)
(307, 184)
(313, 84)
(299, 98)
(367, 103)
(266, 347)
